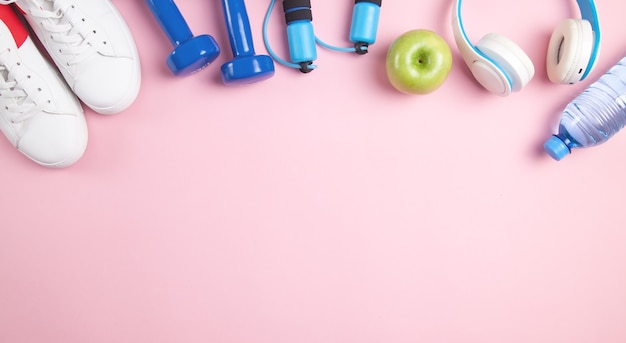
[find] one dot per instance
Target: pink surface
(324, 207)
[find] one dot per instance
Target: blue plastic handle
(300, 34)
(365, 17)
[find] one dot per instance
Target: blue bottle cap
(556, 148)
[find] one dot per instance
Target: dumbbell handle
(171, 20)
(238, 26)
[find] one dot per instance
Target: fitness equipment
(191, 53)
(301, 36)
(246, 66)
(502, 67)
(364, 26)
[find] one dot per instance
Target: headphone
(502, 67)
(301, 37)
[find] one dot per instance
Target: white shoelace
(21, 98)
(66, 25)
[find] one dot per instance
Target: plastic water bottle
(594, 116)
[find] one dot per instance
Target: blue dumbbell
(191, 53)
(246, 66)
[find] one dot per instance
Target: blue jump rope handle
(300, 34)
(171, 20)
(365, 17)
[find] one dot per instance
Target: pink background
(325, 207)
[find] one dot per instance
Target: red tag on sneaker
(15, 25)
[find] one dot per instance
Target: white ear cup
(509, 57)
(569, 51)
(490, 76)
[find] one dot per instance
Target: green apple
(418, 62)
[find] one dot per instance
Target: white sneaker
(39, 114)
(91, 45)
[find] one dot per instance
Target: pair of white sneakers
(92, 58)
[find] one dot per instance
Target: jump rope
(301, 36)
